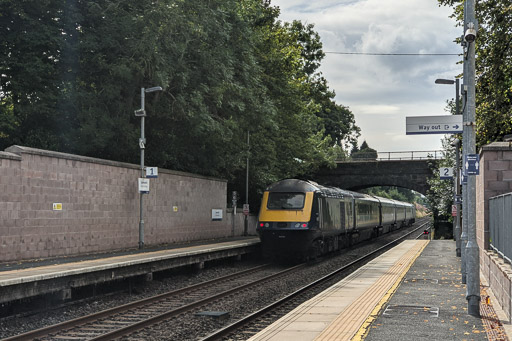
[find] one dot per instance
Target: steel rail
(66, 325)
(161, 317)
(218, 335)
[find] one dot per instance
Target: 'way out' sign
(446, 124)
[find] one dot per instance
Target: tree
(365, 153)
(440, 194)
(396, 193)
(493, 68)
(71, 73)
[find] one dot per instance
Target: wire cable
(394, 54)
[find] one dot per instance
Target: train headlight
(304, 225)
(297, 225)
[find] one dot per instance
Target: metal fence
(406, 155)
(500, 225)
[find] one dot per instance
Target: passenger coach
(302, 219)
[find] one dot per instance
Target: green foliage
(364, 152)
(493, 67)
(440, 194)
(396, 193)
(71, 73)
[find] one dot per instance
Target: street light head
(444, 81)
(156, 88)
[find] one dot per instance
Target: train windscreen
(285, 201)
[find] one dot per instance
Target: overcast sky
(382, 90)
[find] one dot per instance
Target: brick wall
(100, 205)
(495, 178)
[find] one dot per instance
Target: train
(301, 219)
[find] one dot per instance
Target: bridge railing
(406, 155)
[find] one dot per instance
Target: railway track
(129, 318)
(133, 319)
(250, 325)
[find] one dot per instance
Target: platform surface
(412, 292)
(31, 278)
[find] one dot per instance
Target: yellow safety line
(364, 329)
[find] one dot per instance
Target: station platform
(411, 292)
(61, 275)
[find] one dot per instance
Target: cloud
(382, 90)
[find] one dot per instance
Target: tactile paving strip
(492, 324)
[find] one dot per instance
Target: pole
(246, 220)
(457, 176)
(457, 198)
(233, 201)
(472, 250)
(142, 175)
(464, 228)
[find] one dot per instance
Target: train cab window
(285, 201)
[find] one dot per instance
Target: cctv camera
(470, 34)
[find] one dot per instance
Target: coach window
(285, 201)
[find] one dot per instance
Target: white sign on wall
(216, 214)
(151, 172)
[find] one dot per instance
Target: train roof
(297, 185)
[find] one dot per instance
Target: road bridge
(410, 170)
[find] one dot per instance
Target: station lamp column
(472, 249)
(457, 225)
(142, 144)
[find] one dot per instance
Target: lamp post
(246, 218)
(142, 144)
(458, 242)
(472, 249)
(457, 227)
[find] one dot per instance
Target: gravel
(191, 327)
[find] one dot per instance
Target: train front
(288, 221)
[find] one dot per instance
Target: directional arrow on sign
(444, 124)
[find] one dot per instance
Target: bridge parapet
(360, 174)
(404, 155)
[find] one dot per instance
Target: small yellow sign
(175, 208)
(57, 206)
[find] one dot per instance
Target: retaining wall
(99, 206)
(495, 178)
